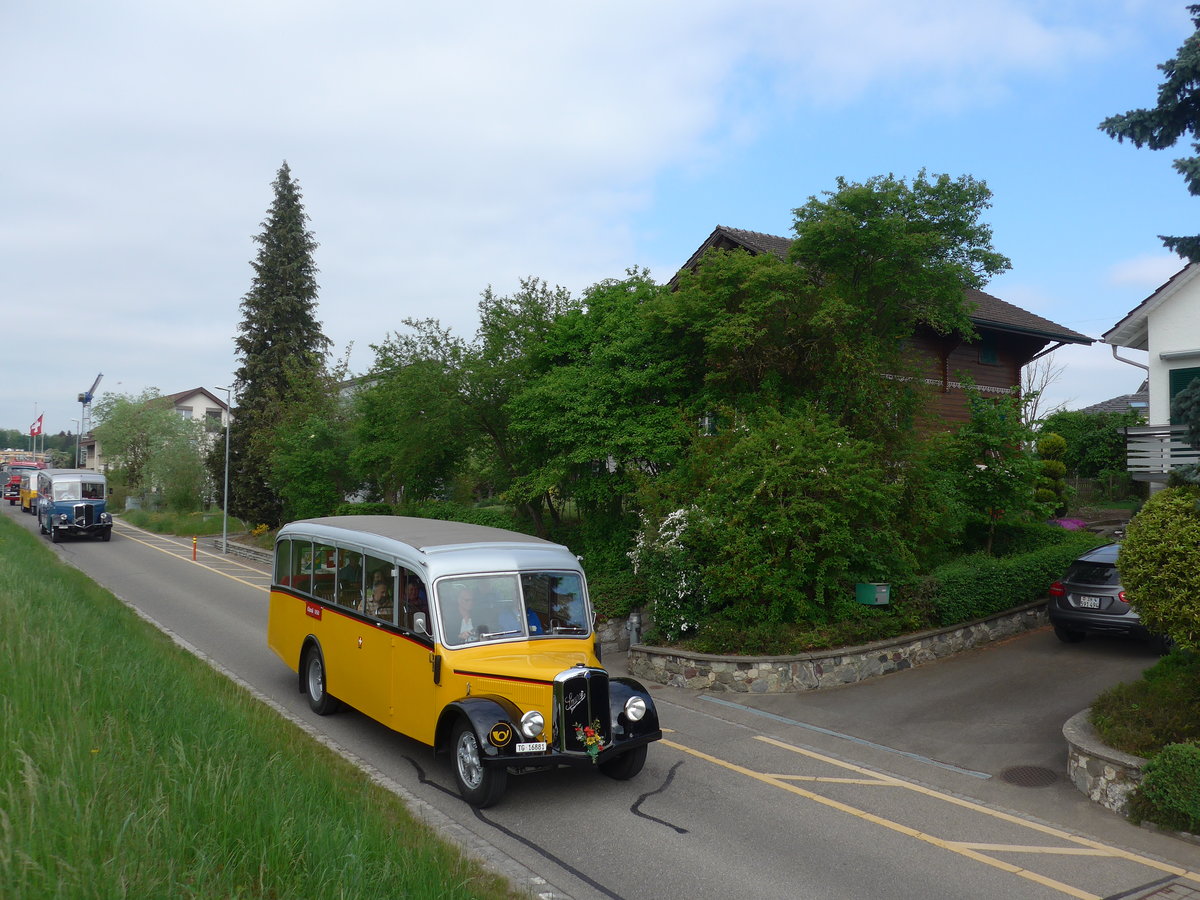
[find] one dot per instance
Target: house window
(988, 356)
(212, 420)
(1180, 379)
(185, 412)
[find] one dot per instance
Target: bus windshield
(511, 606)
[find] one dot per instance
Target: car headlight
(63, 518)
(532, 724)
(635, 709)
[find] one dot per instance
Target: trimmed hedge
(1169, 794)
(979, 585)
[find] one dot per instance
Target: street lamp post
(225, 502)
(78, 426)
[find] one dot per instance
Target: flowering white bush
(662, 557)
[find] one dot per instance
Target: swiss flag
(36, 428)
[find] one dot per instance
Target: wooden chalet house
(1009, 337)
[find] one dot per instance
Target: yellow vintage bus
(29, 490)
(473, 640)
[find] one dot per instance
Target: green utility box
(873, 594)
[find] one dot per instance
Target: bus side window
(349, 578)
(413, 599)
(381, 589)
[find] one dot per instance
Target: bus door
(416, 703)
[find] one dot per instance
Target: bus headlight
(532, 724)
(635, 709)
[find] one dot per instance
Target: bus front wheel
(479, 785)
(319, 699)
(626, 765)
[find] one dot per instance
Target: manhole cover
(1029, 776)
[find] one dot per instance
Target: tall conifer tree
(280, 345)
(1177, 114)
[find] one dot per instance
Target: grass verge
(129, 768)
(182, 523)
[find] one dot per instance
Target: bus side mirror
(420, 625)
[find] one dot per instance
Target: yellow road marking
(879, 820)
(187, 557)
(1019, 848)
(996, 814)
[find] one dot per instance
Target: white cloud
(440, 148)
(1146, 272)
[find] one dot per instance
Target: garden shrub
(461, 512)
(1160, 565)
(364, 509)
(1014, 538)
(793, 512)
(981, 585)
(1170, 788)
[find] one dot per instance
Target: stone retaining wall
(1106, 776)
(829, 668)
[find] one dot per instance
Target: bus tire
(53, 535)
(478, 784)
(625, 766)
(106, 534)
(319, 699)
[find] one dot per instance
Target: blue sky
(442, 151)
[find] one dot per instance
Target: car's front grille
(580, 701)
(84, 514)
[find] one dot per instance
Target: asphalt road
(894, 788)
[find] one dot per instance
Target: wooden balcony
(1151, 451)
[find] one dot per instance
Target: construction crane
(85, 404)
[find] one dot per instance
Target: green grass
(1160, 708)
(195, 523)
(128, 768)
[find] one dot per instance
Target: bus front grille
(580, 701)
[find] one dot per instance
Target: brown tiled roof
(986, 309)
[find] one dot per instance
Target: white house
(1167, 326)
(198, 404)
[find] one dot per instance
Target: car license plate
(535, 747)
(1088, 602)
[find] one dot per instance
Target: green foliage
(1095, 442)
(1160, 565)
(1052, 485)
(456, 512)
(364, 509)
(304, 465)
(996, 473)
(793, 512)
(1051, 445)
(1171, 787)
(410, 415)
(281, 349)
(1160, 708)
(602, 403)
(1185, 408)
(982, 585)
(1173, 117)
(156, 450)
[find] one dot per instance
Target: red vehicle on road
(12, 479)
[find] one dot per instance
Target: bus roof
(425, 535)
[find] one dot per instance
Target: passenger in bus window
(381, 595)
(414, 597)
